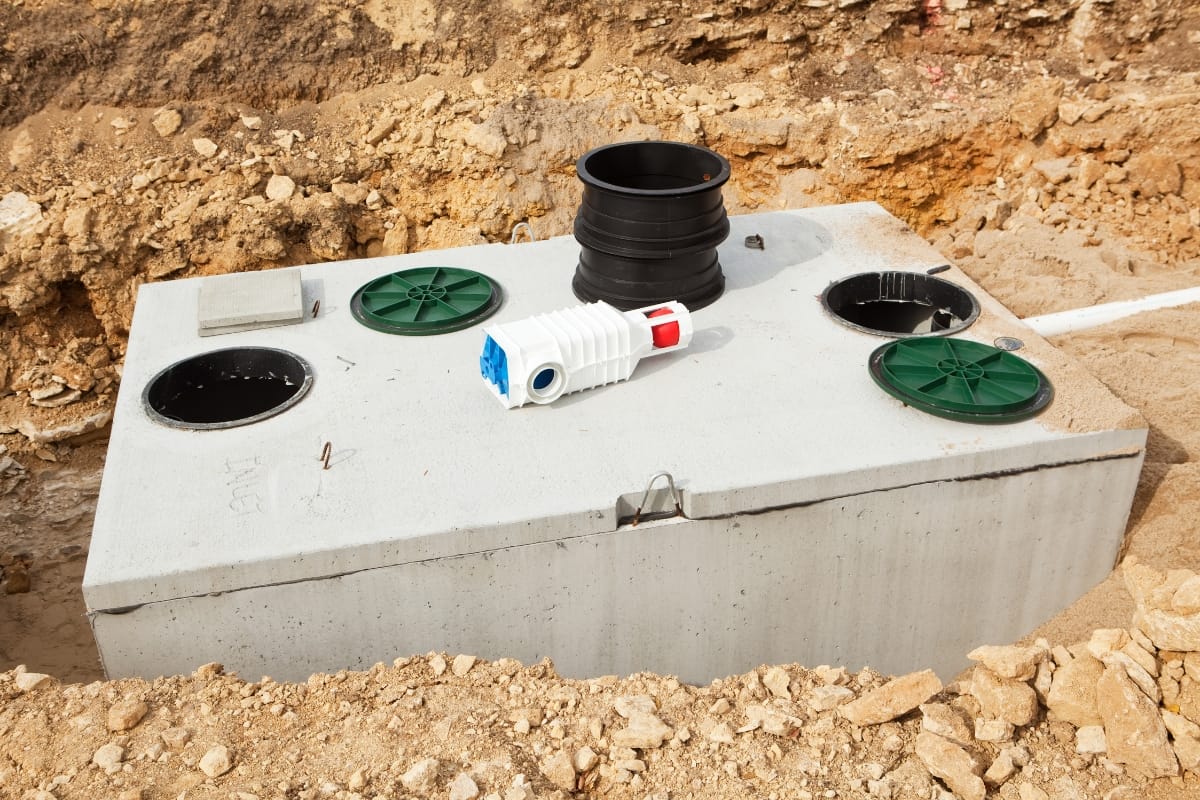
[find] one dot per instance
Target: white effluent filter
(539, 359)
(377, 501)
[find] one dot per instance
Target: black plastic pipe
(649, 224)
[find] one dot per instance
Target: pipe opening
(900, 304)
(645, 167)
(227, 388)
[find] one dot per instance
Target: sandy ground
(1049, 149)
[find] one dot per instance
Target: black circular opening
(900, 304)
(653, 167)
(227, 388)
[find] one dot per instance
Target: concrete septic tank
(397, 508)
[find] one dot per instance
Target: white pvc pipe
(1079, 319)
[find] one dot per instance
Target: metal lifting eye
(518, 228)
(637, 515)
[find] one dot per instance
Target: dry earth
(1050, 148)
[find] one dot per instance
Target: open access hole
(227, 388)
(653, 167)
(900, 304)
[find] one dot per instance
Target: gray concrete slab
(249, 300)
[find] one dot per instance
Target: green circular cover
(426, 300)
(960, 379)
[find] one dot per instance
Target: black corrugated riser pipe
(649, 224)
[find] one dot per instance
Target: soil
(1050, 149)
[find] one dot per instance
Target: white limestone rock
(217, 761)
(947, 722)
(957, 768)
(1010, 661)
(166, 122)
(645, 731)
(280, 187)
(894, 699)
(1135, 733)
(421, 777)
(1003, 698)
(206, 148)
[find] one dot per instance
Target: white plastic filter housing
(543, 357)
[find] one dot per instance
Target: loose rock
(1154, 614)
(1035, 106)
(1155, 173)
(78, 223)
(1019, 663)
(721, 734)
(895, 698)
(1106, 640)
(463, 787)
(952, 764)
(1141, 656)
(92, 422)
(1003, 698)
(1055, 170)
(1180, 726)
(1136, 673)
(125, 714)
(381, 130)
(216, 762)
(776, 680)
(770, 720)
(109, 757)
(1027, 791)
(59, 400)
(1072, 695)
(559, 770)
(1187, 750)
(993, 730)
(18, 215)
(176, 738)
(585, 759)
(1090, 739)
(29, 681)
(628, 705)
(947, 722)
(1135, 733)
(421, 777)
(280, 187)
(462, 664)
(207, 148)
(823, 698)
(167, 122)
(1001, 769)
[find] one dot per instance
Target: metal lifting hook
(522, 226)
(637, 515)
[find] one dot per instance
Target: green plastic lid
(426, 300)
(961, 380)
